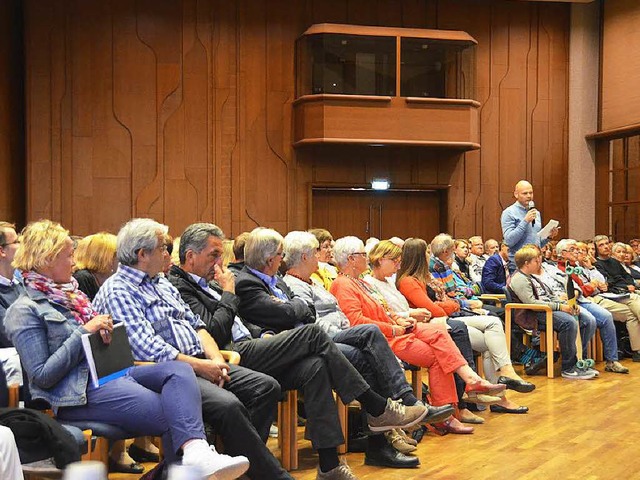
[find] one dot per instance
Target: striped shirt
(159, 323)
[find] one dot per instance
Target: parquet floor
(583, 430)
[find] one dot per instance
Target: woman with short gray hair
(423, 344)
(363, 345)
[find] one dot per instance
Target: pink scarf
(66, 295)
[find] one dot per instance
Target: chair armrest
(138, 363)
(528, 306)
(231, 357)
(493, 297)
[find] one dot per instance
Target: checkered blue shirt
(159, 323)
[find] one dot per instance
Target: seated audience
(496, 273)
(626, 259)
(485, 332)
(238, 252)
(266, 301)
(529, 289)
(423, 344)
(461, 257)
(95, 261)
(10, 290)
(491, 246)
(363, 345)
(162, 328)
(46, 324)
(567, 252)
(476, 258)
(326, 272)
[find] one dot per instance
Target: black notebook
(107, 362)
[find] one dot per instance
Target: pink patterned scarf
(66, 295)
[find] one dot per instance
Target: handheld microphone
(532, 205)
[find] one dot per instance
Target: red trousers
(431, 346)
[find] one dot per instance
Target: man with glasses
(602, 309)
(10, 290)
(620, 288)
(268, 302)
(476, 258)
(238, 403)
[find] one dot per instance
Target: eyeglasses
(364, 254)
(394, 260)
(572, 250)
(15, 242)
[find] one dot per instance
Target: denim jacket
(49, 342)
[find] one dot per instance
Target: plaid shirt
(160, 325)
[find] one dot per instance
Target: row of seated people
(280, 328)
(45, 323)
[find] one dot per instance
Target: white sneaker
(575, 373)
(210, 462)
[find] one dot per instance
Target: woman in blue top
(46, 325)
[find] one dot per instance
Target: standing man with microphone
(521, 222)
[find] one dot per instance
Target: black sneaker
(537, 364)
(636, 356)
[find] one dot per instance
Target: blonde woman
(46, 325)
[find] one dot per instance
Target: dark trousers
(306, 359)
(242, 413)
(460, 336)
(567, 327)
(368, 350)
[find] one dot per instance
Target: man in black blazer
(302, 358)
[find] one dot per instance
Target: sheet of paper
(546, 231)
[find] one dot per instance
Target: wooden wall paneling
(362, 12)
(264, 206)
(188, 167)
(554, 21)
(472, 174)
(132, 164)
(328, 11)
(39, 32)
(225, 90)
(389, 13)
(12, 135)
(159, 27)
(414, 13)
(620, 72)
(602, 186)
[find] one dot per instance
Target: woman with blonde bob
(46, 325)
(422, 344)
(95, 259)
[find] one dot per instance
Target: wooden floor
(584, 430)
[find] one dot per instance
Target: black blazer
(218, 315)
(259, 306)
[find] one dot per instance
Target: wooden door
(381, 214)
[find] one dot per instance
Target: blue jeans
(160, 399)
(604, 321)
(368, 351)
(567, 328)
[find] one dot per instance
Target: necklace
(309, 282)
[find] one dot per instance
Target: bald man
(520, 224)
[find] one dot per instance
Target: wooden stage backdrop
(181, 110)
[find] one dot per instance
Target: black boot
(384, 455)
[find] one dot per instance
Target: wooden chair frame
(549, 335)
